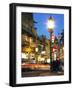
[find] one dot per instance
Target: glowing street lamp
(51, 25)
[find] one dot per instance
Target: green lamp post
(51, 25)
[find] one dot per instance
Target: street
(40, 73)
(31, 70)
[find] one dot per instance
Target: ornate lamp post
(51, 25)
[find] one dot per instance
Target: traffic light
(53, 39)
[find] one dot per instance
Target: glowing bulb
(51, 23)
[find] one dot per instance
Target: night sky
(41, 25)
